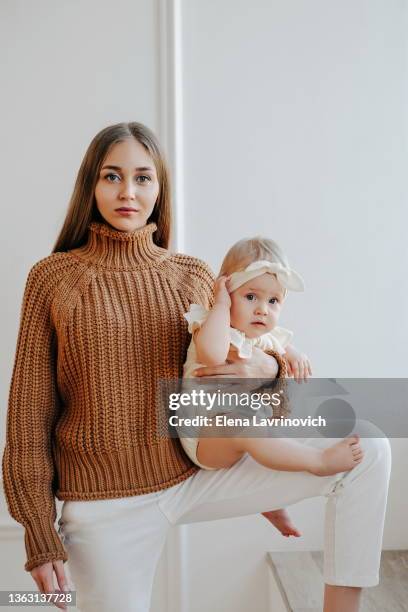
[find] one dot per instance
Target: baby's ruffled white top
(275, 340)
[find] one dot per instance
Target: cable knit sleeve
(27, 463)
(283, 371)
(206, 279)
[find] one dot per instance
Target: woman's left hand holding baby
(259, 365)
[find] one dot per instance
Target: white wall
(295, 127)
(294, 123)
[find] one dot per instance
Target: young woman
(101, 324)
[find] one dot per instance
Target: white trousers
(114, 545)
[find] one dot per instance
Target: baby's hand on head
(221, 293)
(298, 364)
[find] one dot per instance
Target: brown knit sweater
(100, 326)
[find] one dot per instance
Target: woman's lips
(126, 211)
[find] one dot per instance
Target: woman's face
(127, 187)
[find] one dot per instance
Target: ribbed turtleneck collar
(117, 250)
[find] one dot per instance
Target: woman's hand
(259, 365)
(44, 578)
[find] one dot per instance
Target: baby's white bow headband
(287, 277)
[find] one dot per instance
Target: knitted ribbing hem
(131, 471)
(94, 495)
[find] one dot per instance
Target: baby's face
(256, 305)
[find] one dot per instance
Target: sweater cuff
(42, 543)
(283, 408)
(283, 371)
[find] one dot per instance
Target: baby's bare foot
(341, 457)
(281, 520)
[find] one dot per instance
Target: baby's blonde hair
(248, 250)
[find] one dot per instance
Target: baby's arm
(212, 340)
(298, 363)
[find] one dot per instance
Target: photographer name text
(222, 420)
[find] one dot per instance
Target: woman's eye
(143, 176)
(112, 178)
(250, 297)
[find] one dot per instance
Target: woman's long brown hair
(82, 207)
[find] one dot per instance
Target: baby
(249, 295)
